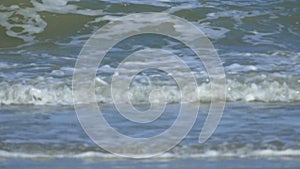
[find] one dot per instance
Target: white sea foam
(41, 92)
(240, 68)
(28, 94)
(63, 7)
(20, 22)
(26, 22)
(207, 154)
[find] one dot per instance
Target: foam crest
(266, 91)
(207, 154)
(29, 94)
(51, 93)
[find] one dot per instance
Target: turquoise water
(258, 44)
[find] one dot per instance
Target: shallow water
(258, 44)
(252, 130)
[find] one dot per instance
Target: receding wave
(41, 19)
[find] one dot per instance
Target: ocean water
(258, 44)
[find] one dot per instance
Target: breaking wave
(61, 93)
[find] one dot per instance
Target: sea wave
(41, 19)
(207, 154)
(61, 93)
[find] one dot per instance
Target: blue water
(258, 44)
